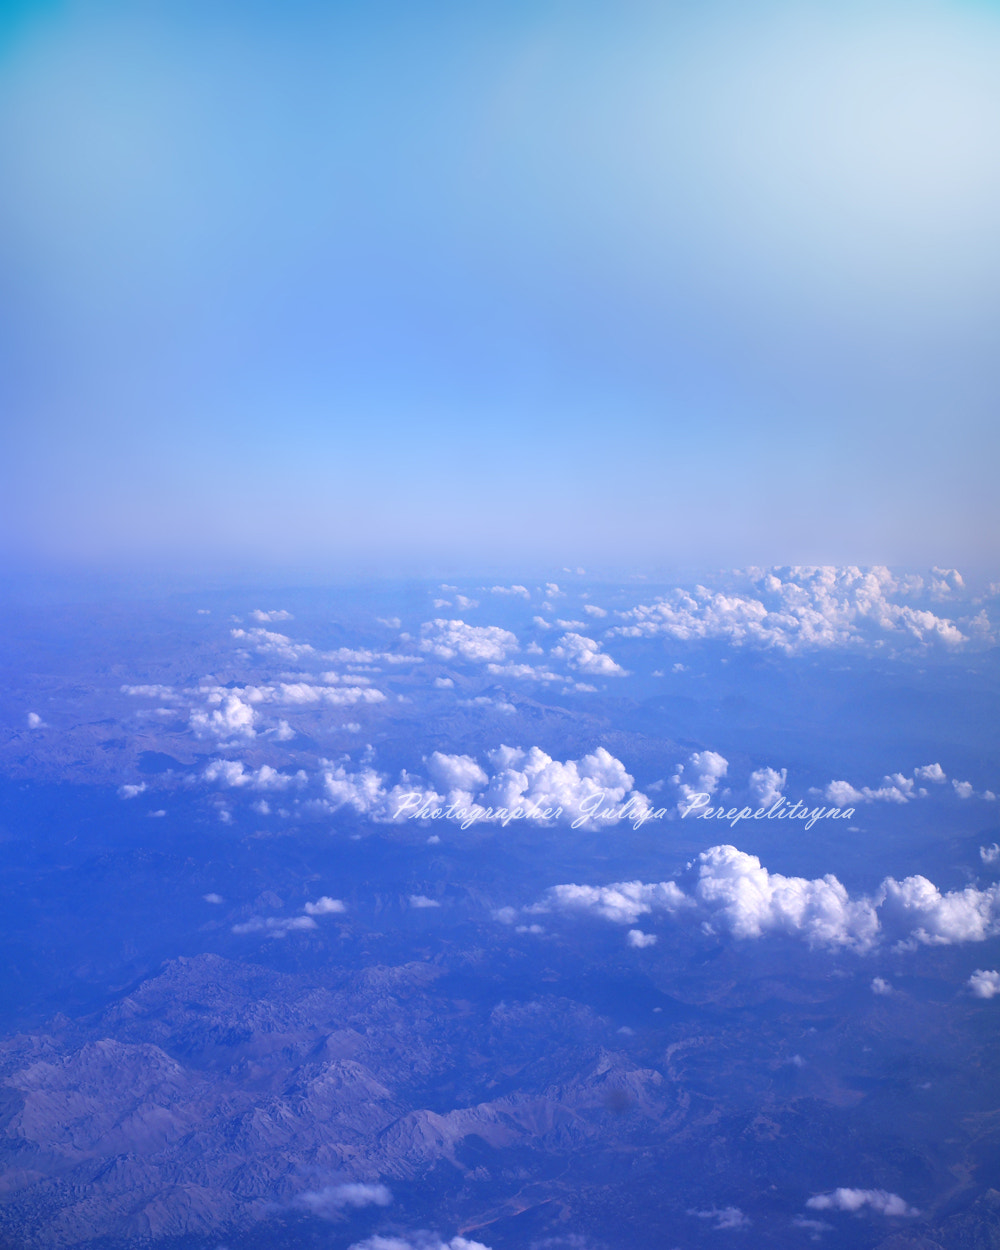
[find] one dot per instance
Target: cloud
(794, 610)
(930, 772)
(707, 768)
(593, 610)
(725, 1217)
(478, 643)
(417, 1241)
(130, 791)
(895, 788)
(213, 898)
(324, 906)
(331, 1200)
(963, 789)
(35, 721)
(267, 643)
(585, 655)
(521, 591)
(421, 901)
(990, 854)
(640, 940)
(984, 984)
(232, 718)
(233, 774)
(881, 986)
(879, 1200)
(275, 926)
(767, 786)
(276, 614)
(456, 772)
(731, 892)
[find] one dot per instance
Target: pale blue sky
(401, 285)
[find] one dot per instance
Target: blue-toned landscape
(499, 625)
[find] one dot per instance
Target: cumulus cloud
(895, 788)
(990, 854)
(963, 789)
(130, 791)
(767, 786)
(593, 610)
(585, 655)
(324, 906)
(230, 718)
(213, 898)
(881, 986)
(35, 721)
(728, 891)
(266, 642)
(417, 1241)
(724, 1217)
(640, 940)
(275, 926)
(456, 640)
(420, 901)
(332, 1199)
(521, 591)
(276, 614)
(233, 774)
(795, 610)
(456, 772)
(705, 769)
(879, 1200)
(984, 984)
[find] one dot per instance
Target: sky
(392, 286)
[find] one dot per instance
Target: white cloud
(881, 986)
(521, 591)
(525, 672)
(706, 768)
(325, 906)
(420, 901)
(479, 643)
(990, 854)
(268, 643)
(931, 772)
(963, 789)
(640, 940)
(585, 655)
(984, 984)
(130, 791)
(724, 1217)
(275, 926)
(213, 898)
(35, 721)
(234, 775)
(729, 891)
(795, 610)
(593, 610)
(232, 718)
(417, 1241)
(444, 683)
(895, 788)
(855, 1199)
(276, 614)
(331, 1200)
(456, 772)
(767, 786)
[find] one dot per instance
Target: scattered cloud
(130, 791)
(275, 926)
(421, 901)
(990, 854)
(881, 986)
(35, 721)
(325, 906)
(417, 1241)
(984, 984)
(879, 1200)
(276, 614)
(640, 940)
(481, 644)
(521, 591)
(724, 1217)
(585, 655)
(331, 1200)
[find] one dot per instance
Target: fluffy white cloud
(479, 643)
(332, 1199)
(233, 774)
(881, 986)
(879, 1200)
(915, 911)
(325, 906)
(984, 984)
(585, 655)
(35, 721)
(729, 891)
(130, 791)
(265, 642)
(767, 786)
(593, 610)
(705, 769)
(640, 940)
(456, 772)
(794, 610)
(931, 772)
(895, 788)
(421, 901)
(231, 718)
(275, 926)
(963, 789)
(521, 591)
(990, 854)
(417, 1241)
(276, 614)
(724, 1217)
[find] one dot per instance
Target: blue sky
(395, 285)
